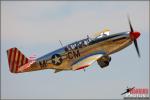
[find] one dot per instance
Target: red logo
(133, 92)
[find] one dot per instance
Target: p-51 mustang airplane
(77, 55)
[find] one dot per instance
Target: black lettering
(76, 45)
(83, 43)
(86, 42)
(73, 46)
(69, 47)
(76, 53)
(40, 63)
(79, 44)
(70, 56)
(43, 63)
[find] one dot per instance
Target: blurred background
(35, 27)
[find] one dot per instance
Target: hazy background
(35, 27)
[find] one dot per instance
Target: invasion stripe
(13, 60)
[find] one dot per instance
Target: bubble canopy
(103, 34)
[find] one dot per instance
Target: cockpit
(102, 34)
(87, 41)
(99, 36)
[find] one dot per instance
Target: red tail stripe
(13, 60)
(26, 60)
(22, 60)
(17, 64)
(9, 57)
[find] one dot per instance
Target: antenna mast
(61, 43)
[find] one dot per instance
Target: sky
(35, 28)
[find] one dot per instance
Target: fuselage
(65, 57)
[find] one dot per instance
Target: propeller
(134, 35)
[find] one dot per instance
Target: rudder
(15, 59)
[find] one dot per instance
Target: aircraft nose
(134, 35)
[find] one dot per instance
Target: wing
(85, 61)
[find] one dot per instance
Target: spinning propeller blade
(134, 35)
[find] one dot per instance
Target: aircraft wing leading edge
(86, 61)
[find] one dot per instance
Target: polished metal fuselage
(65, 57)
